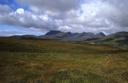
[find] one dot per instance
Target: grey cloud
(9, 33)
(117, 11)
(52, 5)
(69, 15)
(4, 8)
(27, 19)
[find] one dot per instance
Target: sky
(36, 17)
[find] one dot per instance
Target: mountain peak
(53, 32)
(73, 37)
(102, 34)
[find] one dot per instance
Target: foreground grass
(49, 61)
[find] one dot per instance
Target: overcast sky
(40, 16)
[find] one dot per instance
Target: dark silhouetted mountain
(53, 35)
(71, 37)
(53, 32)
(101, 34)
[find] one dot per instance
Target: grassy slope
(119, 39)
(49, 61)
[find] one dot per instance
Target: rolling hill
(119, 39)
(32, 60)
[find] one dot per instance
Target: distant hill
(119, 39)
(24, 36)
(71, 37)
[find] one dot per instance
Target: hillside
(119, 39)
(31, 60)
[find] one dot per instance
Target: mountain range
(118, 39)
(71, 37)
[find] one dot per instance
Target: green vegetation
(51, 61)
(119, 39)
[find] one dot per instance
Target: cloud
(9, 32)
(27, 19)
(52, 5)
(69, 15)
(116, 11)
(4, 8)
